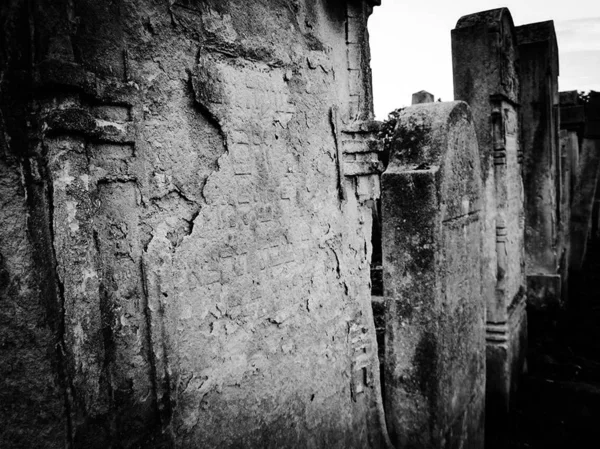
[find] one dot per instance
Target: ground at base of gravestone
(558, 403)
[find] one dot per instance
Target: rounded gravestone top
(420, 136)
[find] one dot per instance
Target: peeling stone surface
(207, 256)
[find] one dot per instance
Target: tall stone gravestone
(485, 76)
(435, 316)
(543, 177)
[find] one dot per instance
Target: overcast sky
(410, 44)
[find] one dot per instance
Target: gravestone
(543, 176)
(197, 179)
(435, 316)
(484, 55)
(422, 97)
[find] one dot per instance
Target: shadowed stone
(187, 188)
(422, 97)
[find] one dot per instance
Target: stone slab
(434, 343)
(422, 97)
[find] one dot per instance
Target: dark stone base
(544, 305)
(506, 349)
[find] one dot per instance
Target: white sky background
(411, 51)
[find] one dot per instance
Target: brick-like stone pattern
(432, 210)
(196, 180)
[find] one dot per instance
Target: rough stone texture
(32, 403)
(432, 203)
(485, 76)
(189, 189)
(422, 97)
(538, 64)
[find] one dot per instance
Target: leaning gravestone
(485, 76)
(432, 220)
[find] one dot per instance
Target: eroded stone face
(208, 183)
(432, 204)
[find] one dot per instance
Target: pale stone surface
(432, 202)
(31, 398)
(492, 95)
(204, 225)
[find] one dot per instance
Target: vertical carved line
(502, 256)
(498, 137)
(335, 124)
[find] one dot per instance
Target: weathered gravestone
(543, 178)
(435, 316)
(580, 124)
(422, 97)
(195, 177)
(583, 200)
(484, 62)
